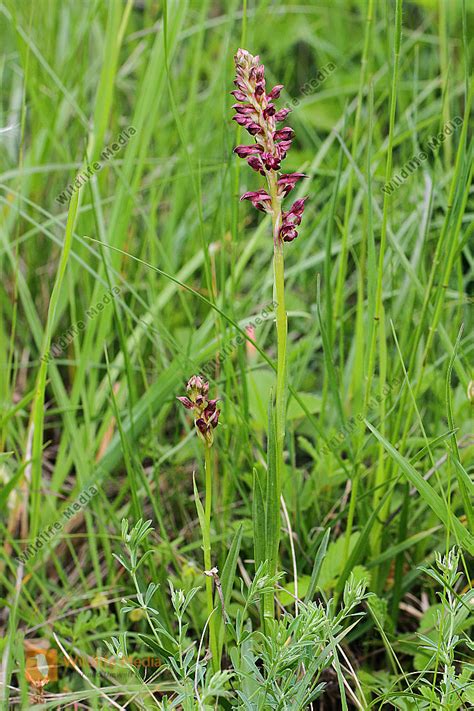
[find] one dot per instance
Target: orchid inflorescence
(256, 112)
(206, 413)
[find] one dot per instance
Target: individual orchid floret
(281, 115)
(290, 220)
(275, 92)
(208, 421)
(246, 151)
(288, 181)
(256, 112)
(259, 199)
(206, 413)
(283, 134)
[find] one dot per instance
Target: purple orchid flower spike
(256, 112)
(206, 412)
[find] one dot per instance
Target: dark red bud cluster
(291, 220)
(206, 412)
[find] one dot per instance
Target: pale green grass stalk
(205, 516)
(445, 70)
(280, 392)
(37, 412)
(208, 558)
(437, 260)
(341, 275)
(407, 405)
(376, 332)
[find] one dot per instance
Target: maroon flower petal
(288, 234)
(271, 162)
(287, 177)
(256, 195)
(291, 219)
(245, 109)
(275, 92)
(259, 199)
(186, 402)
(202, 425)
(242, 120)
(298, 206)
(253, 128)
(283, 134)
(255, 163)
(283, 147)
(214, 421)
(288, 181)
(239, 95)
(281, 114)
(269, 111)
(245, 151)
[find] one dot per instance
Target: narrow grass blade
(318, 561)
(426, 491)
(37, 414)
(258, 519)
(227, 581)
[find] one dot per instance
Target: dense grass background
(159, 262)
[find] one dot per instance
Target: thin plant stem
(207, 556)
(280, 394)
(281, 321)
(281, 324)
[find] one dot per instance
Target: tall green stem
(207, 557)
(281, 324)
(280, 394)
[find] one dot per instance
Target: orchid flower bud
(206, 413)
